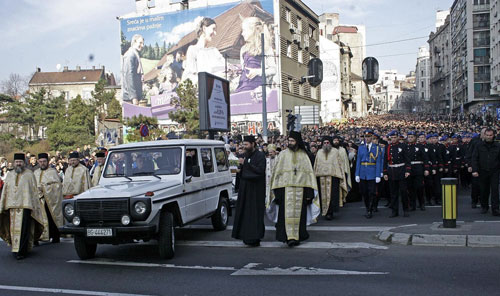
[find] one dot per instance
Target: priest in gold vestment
(76, 178)
(295, 203)
(50, 193)
(100, 158)
(21, 220)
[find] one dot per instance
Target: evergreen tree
(187, 110)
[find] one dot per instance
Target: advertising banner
(163, 50)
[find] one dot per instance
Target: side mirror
(188, 179)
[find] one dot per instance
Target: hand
(445, 170)
(475, 174)
(241, 160)
(434, 172)
(441, 169)
(407, 175)
(377, 180)
(426, 173)
(358, 179)
(386, 177)
(469, 170)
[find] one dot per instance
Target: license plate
(99, 232)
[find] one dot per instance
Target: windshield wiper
(119, 175)
(146, 174)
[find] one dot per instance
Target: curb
(439, 240)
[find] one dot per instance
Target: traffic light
(370, 70)
(315, 72)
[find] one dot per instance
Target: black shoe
(474, 206)
(56, 240)
(405, 214)
(393, 215)
(252, 243)
(376, 210)
(293, 243)
(484, 210)
(36, 243)
(422, 208)
(369, 215)
(495, 212)
(329, 217)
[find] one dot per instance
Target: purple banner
(251, 102)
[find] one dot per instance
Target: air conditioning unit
(297, 38)
(293, 29)
(306, 43)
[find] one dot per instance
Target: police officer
(396, 170)
(456, 156)
(475, 186)
(369, 166)
(429, 150)
(419, 168)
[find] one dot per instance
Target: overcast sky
(45, 33)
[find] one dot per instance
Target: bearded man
(295, 204)
(328, 169)
(251, 204)
(21, 220)
(101, 159)
(50, 194)
(76, 178)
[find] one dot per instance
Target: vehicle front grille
(102, 210)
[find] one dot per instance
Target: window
(329, 22)
(192, 166)
(221, 159)
(314, 93)
(353, 107)
(288, 49)
(301, 89)
(422, 83)
(288, 15)
(482, 38)
(329, 36)
(311, 32)
(207, 160)
(481, 55)
(299, 56)
(353, 89)
(299, 24)
(422, 95)
(290, 85)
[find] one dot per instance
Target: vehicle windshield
(143, 162)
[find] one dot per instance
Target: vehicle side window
(192, 166)
(207, 161)
(221, 158)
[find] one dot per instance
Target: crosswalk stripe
(303, 245)
(313, 228)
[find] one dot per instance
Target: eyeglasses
(326, 142)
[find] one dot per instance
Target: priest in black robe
(250, 206)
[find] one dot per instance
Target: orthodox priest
(251, 204)
(328, 168)
(100, 158)
(76, 178)
(295, 203)
(50, 193)
(20, 212)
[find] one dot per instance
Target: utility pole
(264, 82)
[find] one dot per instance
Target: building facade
(495, 46)
(422, 78)
(471, 55)
(440, 61)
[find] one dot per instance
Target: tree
(187, 110)
(114, 109)
(134, 124)
(14, 86)
(101, 99)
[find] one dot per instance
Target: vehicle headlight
(69, 210)
(140, 207)
(76, 221)
(125, 220)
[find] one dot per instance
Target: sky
(48, 33)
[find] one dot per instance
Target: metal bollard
(449, 192)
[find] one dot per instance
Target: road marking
(311, 228)
(140, 264)
(297, 270)
(64, 291)
(303, 245)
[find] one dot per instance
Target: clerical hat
(250, 138)
(100, 154)
(19, 156)
(74, 154)
(43, 155)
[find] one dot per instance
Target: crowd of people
(399, 159)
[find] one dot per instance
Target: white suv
(146, 190)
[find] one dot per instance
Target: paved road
(341, 257)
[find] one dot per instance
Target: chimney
(78, 68)
(103, 69)
(65, 69)
(93, 67)
(38, 69)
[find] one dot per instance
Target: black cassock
(250, 207)
(280, 197)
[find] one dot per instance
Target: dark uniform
(396, 165)
(456, 159)
(430, 152)
(475, 188)
(419, 163)
(443, 158)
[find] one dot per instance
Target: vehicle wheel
(221, 215)
(166, 240)
(83, 249)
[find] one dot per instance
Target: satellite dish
(58, 67)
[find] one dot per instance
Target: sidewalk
(466, 234)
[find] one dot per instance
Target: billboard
(163, 50)
(214, 103)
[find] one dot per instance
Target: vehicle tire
(166, 238)
(221, 216)
(83, 249)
